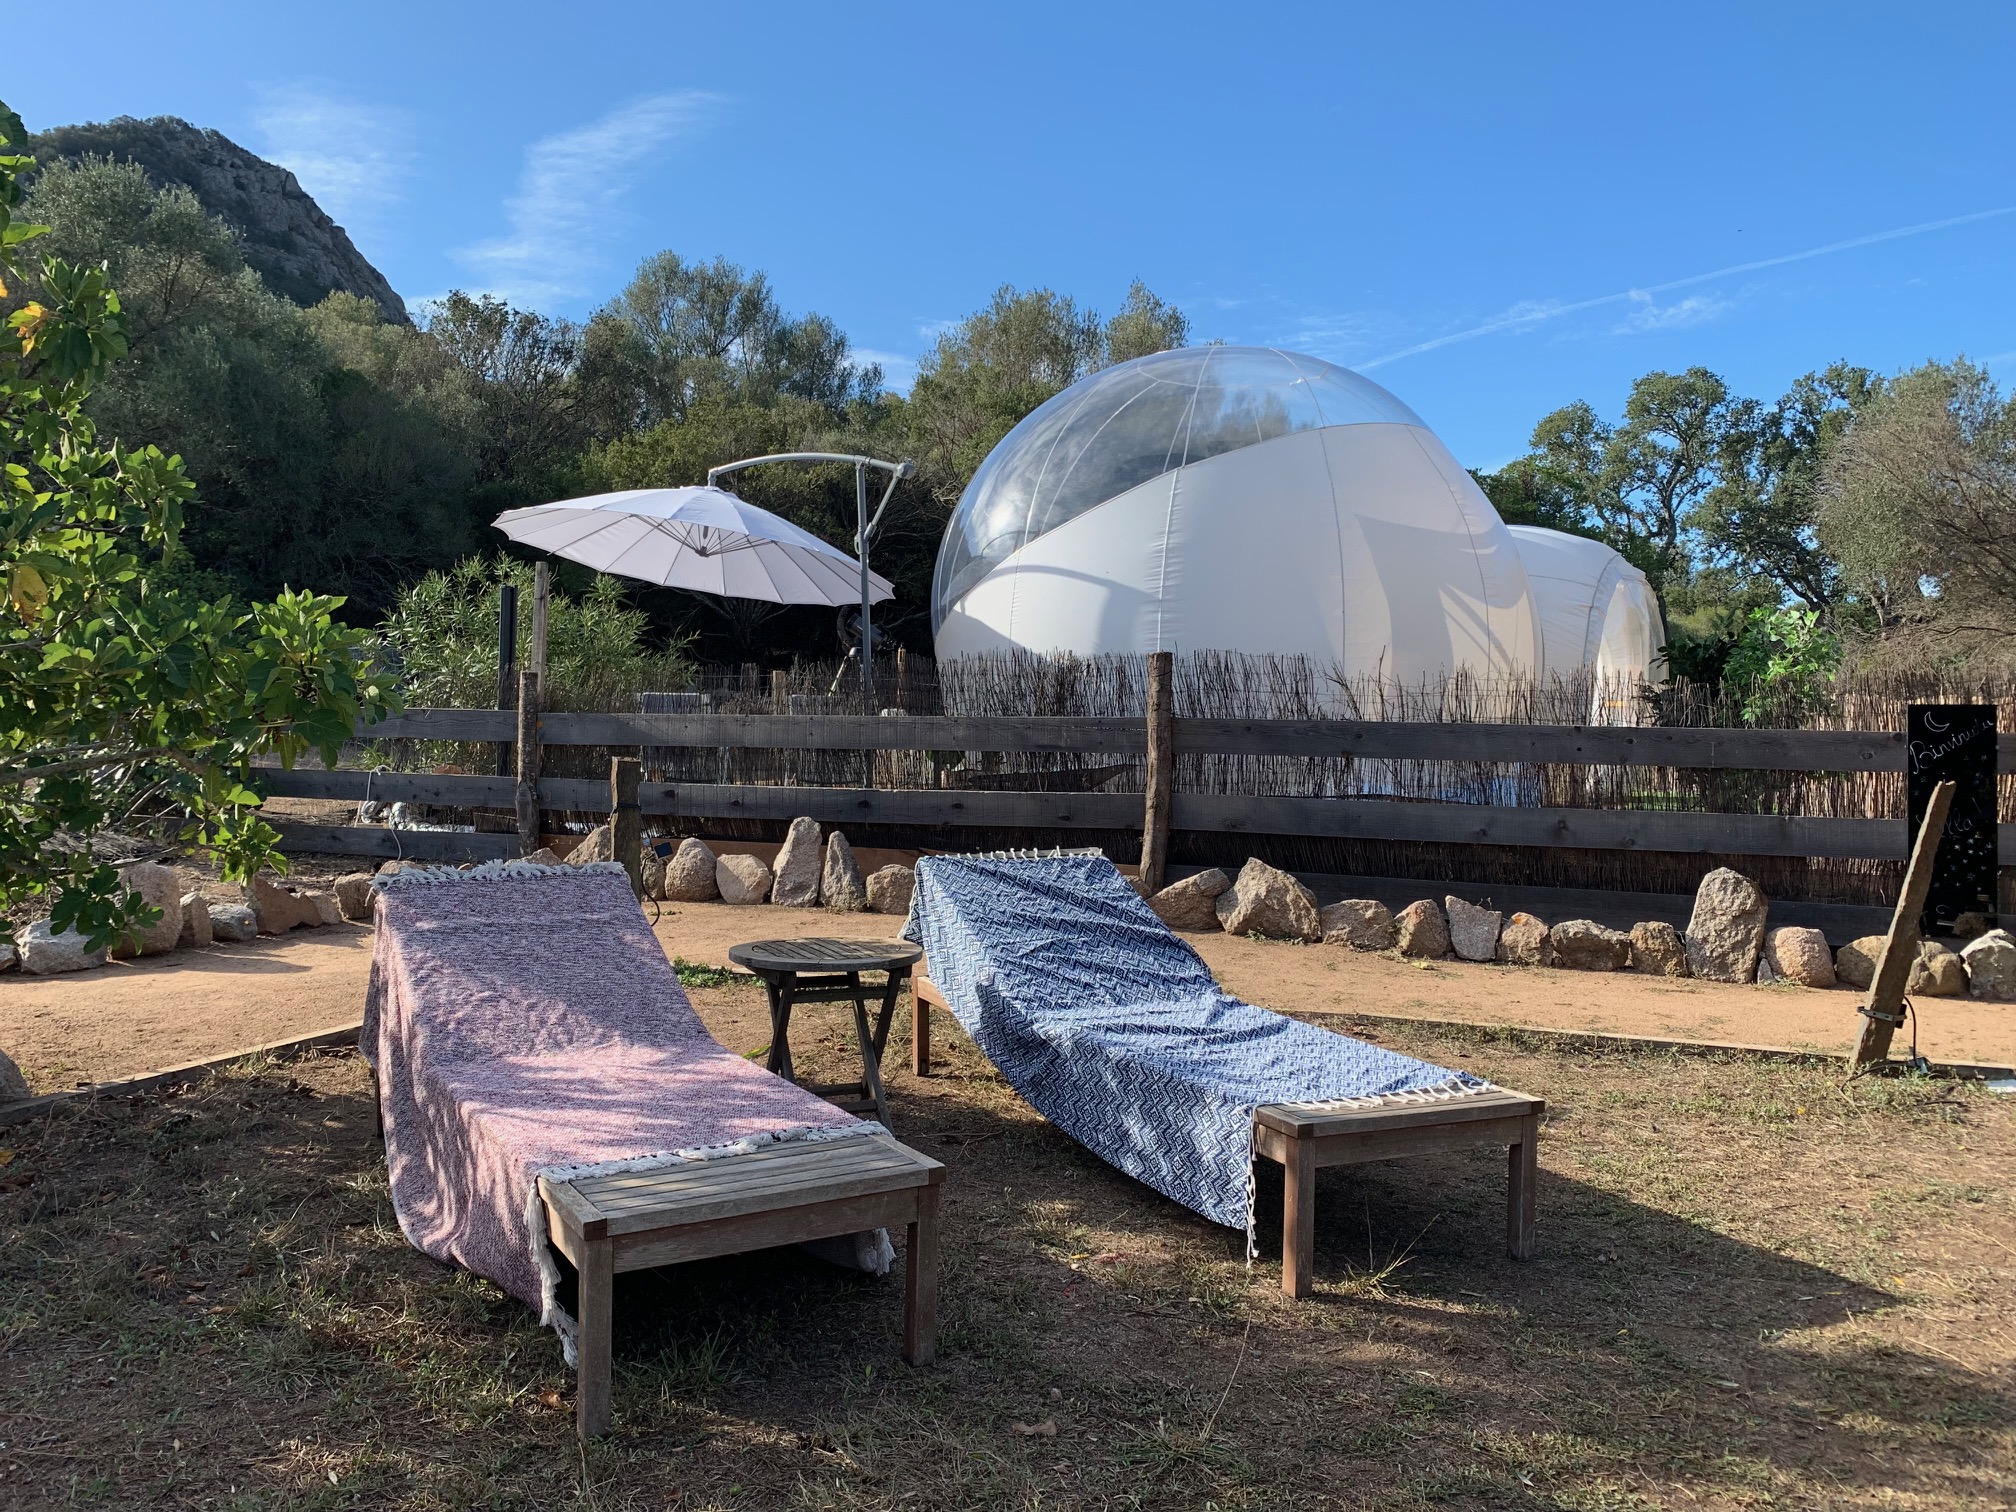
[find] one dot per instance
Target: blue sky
(1493, 209)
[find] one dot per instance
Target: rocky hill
(297, 249)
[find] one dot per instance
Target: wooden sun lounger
(1306, 1139)
(785, 1194)
(1303, 1140)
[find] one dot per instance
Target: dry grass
(1758, 1288)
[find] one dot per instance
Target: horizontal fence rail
(1592, 745)
(984, 804)
(1348, 818)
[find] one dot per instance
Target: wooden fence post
(542, 596)
(507, 664)
(626, 827)
(1883, 1010)
(1161, 756)
(529, 756)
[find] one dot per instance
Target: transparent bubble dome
(1127, 424)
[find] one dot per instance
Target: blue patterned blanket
(1113, 1028)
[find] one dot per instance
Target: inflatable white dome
(1235, 499)
(1596, 610)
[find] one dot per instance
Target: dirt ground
(133, 1016)
(1758, 1287)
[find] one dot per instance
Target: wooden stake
(626, 820)
(1883, 1010)
(1161, 757)
(542, 596)
(529, 756)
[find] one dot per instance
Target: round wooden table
(829, 971)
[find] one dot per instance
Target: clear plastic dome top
(1127, 424)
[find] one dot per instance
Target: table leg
(1522, 1170)
(593, 1316)
(871, 1067)
(920, 1033)
(779, 1060)
(891, 991)
(1298, 1218)
(920, 1277)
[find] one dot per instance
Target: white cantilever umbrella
(704, 539)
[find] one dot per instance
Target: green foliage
(1759, 520)
(1640, 479)
(1527, 492)
(989, 371)
(1145, 325)
(308, 470)
(113, 682)
(1783, 663)
(1918, 502)
(682, 332)
(525, 420)
(443, 635)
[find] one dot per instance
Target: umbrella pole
(861, 553)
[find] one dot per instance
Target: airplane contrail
(1531, 313)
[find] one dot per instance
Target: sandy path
(139, 1015)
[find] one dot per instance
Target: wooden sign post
(1883, 1010)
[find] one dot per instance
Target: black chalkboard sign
(1955, 743)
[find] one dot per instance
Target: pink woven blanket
(524, 1020)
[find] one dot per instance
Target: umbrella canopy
(704, 539)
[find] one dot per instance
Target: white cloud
(571, 195)
(898, 371)
(1647, 314)
(354, 159)
(1337, 336)
(1528, 313)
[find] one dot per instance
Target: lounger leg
(920, 1032)
(871, 1064)
(920, 1282)
(1298, 1218)
(1522, 1166)
(593, 1311)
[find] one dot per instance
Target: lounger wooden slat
(1304, 1138)
(786, 1194)
(701, 1178)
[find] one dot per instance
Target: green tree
(1918, 502)
(1145, 325)
(1782, 664)
(1525, 491)
(685, 331)
(1759, 519)
(524, 415)
(999, 363)
(307, 469)
(443, 635)
(111, 681)
(1642, 478)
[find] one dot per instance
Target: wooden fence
(1736, 834)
